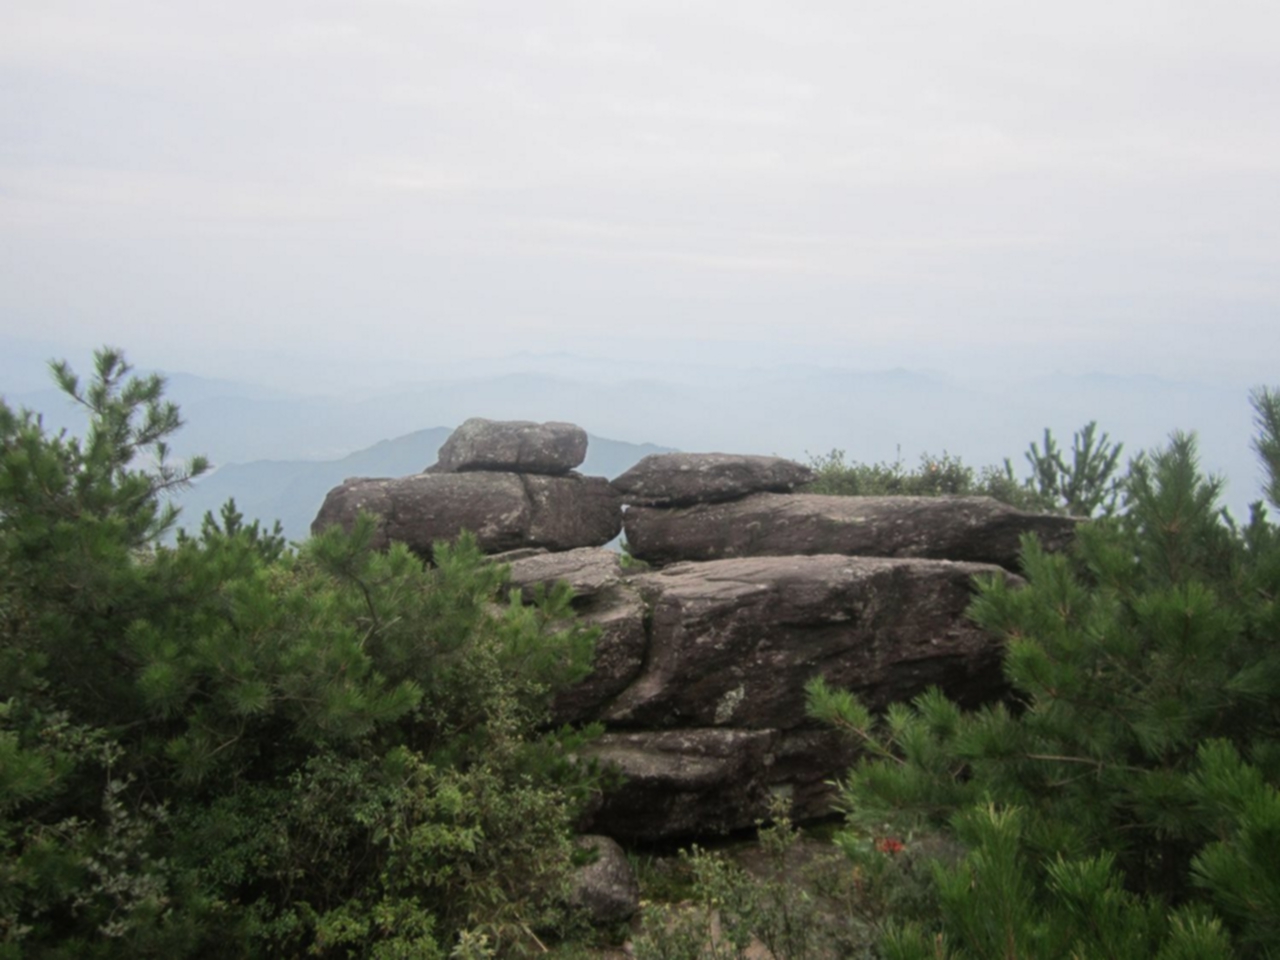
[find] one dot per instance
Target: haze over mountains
(277, 450)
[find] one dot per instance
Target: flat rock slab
(679, 479)
(732, 643)
(587, 570)
(682, 783)
(505, 511)
(977, 529)
(521, 446)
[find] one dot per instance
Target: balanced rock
(679, 479)
(732, 643)
(977, 529)
(512, 445)
(505, 511)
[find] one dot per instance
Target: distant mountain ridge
(291, 491)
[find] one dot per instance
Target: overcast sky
(1083, 185)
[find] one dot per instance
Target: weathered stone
(732, 643)
(601, 599)
(683, 783)
(512, 445)
(588, 570)
(619, 612)
(572, 511)
(978, 529)
(806, 763)
(679, 479)
(505, 511)
(606, 888)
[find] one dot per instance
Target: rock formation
(776, 525)
(703, 658)
(680, 479)
(511, 484)
(515, 445)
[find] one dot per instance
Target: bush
(228, 748)
(1125, 803)
(1085, 485)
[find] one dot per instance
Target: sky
(321, 189)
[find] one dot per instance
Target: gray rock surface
(620, 614)
(679, 479)
(732, 643)
(684, 783)
(505, 511)
(602, 599)
(977, 529)
(588, 570)
(606, 888)
(512, 445)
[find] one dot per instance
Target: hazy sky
(395, 182)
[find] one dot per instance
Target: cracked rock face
(703, 690)
(505, 511)
(977, 529)
(732, 643)
(680, 479)
(512, 445)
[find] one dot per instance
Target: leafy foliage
(227, 748)
(1125, 803)
(1085, 485)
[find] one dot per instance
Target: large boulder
(680, 479)
(715, 723)
(505, 511)
(978, 529)
(732, 643)
(512, 445)
(682, 783)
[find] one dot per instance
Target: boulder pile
(512, 484)
(751, 590)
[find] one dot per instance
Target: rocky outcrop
(732, 643)
(712, 721)
(702, 661)
(680, 479)
(504, 510)
(519, 446)
(976, 529)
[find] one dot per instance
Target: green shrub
(1124, 804)
(1081, 487)
(227, 748)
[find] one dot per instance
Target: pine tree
(1124, 802)
(227, 747)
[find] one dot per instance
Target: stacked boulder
(511, 483)
(750, 591)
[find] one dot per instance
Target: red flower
(889, 845)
